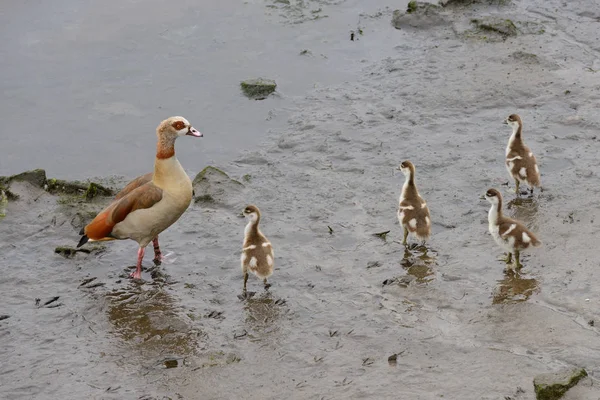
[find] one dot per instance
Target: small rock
(171, 363)
(2, 317)
(258, 89)
(418, 15)
(553, 386)
(36, 177)
(213, 185)
(501, 26)
(527, 58)
(373, 264)
(3, 203)
(393, 359)
(446, 3)
(66, 252)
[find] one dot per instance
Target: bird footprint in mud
(90, 284)
(51, 303)
(215, 315)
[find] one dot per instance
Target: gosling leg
(518, 264)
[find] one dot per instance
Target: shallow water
(320, 158)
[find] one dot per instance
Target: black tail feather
(84, 239)
(82, 231)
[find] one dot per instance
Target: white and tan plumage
(510, 234)
(413, 212)
(257, 256)
(520, 161)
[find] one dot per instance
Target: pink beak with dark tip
(194, 132)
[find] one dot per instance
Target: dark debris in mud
(4, 316)
(50, 303)
(382, 235)
(70, 252)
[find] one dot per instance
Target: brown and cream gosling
(413, 213)
(510, 234)
(520, 161)
(257, 252)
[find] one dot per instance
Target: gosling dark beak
(241, 215)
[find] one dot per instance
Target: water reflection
(514, 288)
(146, 316)
(523, 208)
(418, 261)
(262, 313)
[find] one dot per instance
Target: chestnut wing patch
(144, 196)
(134, 184)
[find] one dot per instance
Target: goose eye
(179, 125)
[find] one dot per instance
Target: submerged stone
(213, 185)
(553, 386)
(37, 177)
(445, 3)
(3, 203)
(66, 252)
(259, 88)
(88, 190)
(418, 15)
(504, 27)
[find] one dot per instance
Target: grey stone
(552, 386)
(418, 15)
(502, 26)
(258, 88)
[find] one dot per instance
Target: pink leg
(157, 254)
(138, 272)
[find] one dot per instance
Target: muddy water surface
(343, 300)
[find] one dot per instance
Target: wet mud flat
(350, 314)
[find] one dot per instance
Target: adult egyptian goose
(257, 252)
(511, 235)
(520, 161)
(151, 203)
(413, 213)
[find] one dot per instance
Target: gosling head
(493, 196)
(252, 212)
(514, 121)
(407, 168)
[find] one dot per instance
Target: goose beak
(194, 132)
